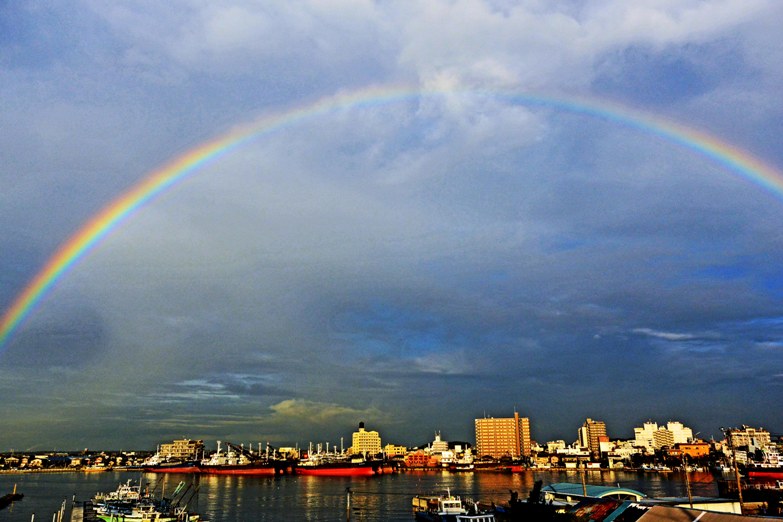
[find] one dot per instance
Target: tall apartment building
(643, 437)
(365, 442)
(663, 437)
(590, 435)
(680, 434)
(524, 435)
(503, 437)
(182, 449)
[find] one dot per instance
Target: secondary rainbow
(735, 159)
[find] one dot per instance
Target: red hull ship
(339, 465)
(238, 461)
(762, 473)
(340, 469)
(255, 468)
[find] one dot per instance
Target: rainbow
(735, 159)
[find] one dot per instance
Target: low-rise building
(748, 438)
(392, 450)
(182, 449)
(693, 450)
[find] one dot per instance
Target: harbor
(387, 497)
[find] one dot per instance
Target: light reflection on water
(388, 497)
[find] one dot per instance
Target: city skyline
(279, 219)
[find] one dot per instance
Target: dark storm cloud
(415, 263)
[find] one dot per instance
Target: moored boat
(344, 468)
(335, 464)
(238, 461)
(127, 492)
(149, 513)
(448, 508)
(174, 467)
(129, 503)
(768, 470)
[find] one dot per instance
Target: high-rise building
(503, 437)
(643, 437)
(663, 437)
(524, 434)
(680, 434)
(590, 435)
(365, 442)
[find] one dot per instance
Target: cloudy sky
(414, 261)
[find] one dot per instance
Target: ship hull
(184, 467)
(327, 470)
(249, 469)
(764, 473)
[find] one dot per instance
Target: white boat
(124, 493)
(448, 508)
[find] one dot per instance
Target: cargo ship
(325, 464)
(769, 470)
(158, 464)
(345, 468)
(238, 461)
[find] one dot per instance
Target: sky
(438, 211)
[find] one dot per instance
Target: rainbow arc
(734, 159)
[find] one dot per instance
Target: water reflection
(388, 497)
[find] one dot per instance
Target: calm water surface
(388, 497)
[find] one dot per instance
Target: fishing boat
(448, 508)
(160, 464)
(128, 503)
(125, 492)
(334, 464)
(149, 513)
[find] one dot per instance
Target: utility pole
(584, 480)
(687, 480)
(727, 433)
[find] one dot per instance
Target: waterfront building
(651, 437)
(525, 438)
(680, 434)
(392, 450)
(182, 449)
(663, 438)
(439, 445)
(553, 446)
(419, 459)
(365, 442)
(749, 438)
(693, 450)
(503, 437)
(591, 434)
(643, 437)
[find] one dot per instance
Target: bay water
(294, 497)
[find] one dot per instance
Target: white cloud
(316, 412)
(667, 336)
